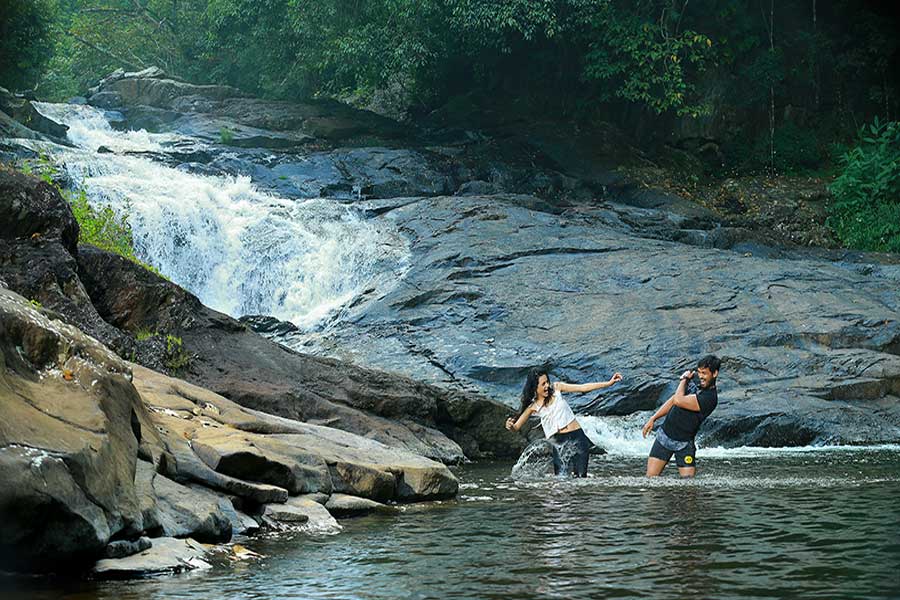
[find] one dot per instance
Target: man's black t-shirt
(682, 424)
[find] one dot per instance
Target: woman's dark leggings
(570, 453)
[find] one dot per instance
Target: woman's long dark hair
(529, 390)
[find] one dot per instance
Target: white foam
(621, 436)
(242, 251)
(618, 435)
(89, 129)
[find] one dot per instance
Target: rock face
(297, 457)
(111, 299)
(319, 149)
(138, 91)
(69, 437)
(19, 118)
(231, 360)
(93, 449)
(811, 345)
(38, 249)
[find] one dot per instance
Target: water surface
(754, 524)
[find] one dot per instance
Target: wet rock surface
(98, 452)
(611, 255)
(19, 118)
(165, 556)
(322, 148)
(501, 283)
(69, 436)
(112, 299)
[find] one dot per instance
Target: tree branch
(104, 51)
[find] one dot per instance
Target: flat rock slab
(216, 437)
(343, 505)
(284, 513)
(320, 521)
(124, 548)
(167, 555)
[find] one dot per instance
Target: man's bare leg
(687, 471)
(655, 466)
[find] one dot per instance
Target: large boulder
(69, 439)
(229, 359)
(33, 209)
(21, 110)
(154, 89)
(248, 445)
(38, 249)
(321, 119)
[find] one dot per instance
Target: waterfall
(239, 249)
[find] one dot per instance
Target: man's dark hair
(710, 361)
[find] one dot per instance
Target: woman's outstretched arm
(587, 387)
(515, 425)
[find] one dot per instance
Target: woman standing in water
(569, 442)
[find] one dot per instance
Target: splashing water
(535, 462)
(621, 436)
(618, 435)
(240, 250)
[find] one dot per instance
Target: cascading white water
(621, 436)
(618, 435)
(240, 250)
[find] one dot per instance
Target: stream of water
(239, 249)
(754, 524)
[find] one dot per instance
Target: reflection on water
(799, 525)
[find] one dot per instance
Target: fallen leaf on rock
(240, 552)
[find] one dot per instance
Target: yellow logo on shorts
(688, 459)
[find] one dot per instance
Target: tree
(25, 41)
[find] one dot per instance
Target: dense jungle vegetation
(786, 86)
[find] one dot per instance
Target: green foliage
(36, 304)
(100, 227)
(614, 60)
(226, 136)
(648, 62)
(176, 357)
(663, 56)
(434, 49)
(145, 334)
(95, 37)
(865, 212)
(25, 36)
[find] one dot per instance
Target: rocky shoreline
(113, 453)
(134, 414)
(99, 453)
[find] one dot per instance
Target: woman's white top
(555, 416)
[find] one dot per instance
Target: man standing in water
(684, 413)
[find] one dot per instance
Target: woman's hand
(648, 427)
(510, 424)
(615, 378)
